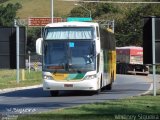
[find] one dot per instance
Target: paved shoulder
(18, 88)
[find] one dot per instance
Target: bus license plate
(68, 85)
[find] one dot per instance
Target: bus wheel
(100, 89)
(109, 86)
(54, 92)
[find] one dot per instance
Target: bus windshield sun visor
(69, 33)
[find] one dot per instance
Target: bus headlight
(89, 77)
(47, 77)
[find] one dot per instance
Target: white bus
(77, 57)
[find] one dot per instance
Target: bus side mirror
(39, 43)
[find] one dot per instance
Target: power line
(119, 2)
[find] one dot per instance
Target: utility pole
(153, 56)
(17, 49)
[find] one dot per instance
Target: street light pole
(90, 14)
(52, 12)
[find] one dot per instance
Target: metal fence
(33, 62)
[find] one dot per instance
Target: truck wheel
(54, 92)
(124, 69)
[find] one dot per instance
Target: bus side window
(97, 31)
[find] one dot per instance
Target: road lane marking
(148, 91)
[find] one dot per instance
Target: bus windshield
(62, 33)
(69, 56)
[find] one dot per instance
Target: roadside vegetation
(128, 17)
(40, 8)
(8, 78)
(157, 69)
(142, 107)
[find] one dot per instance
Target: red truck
(130, 60)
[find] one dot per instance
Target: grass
(41, 8)
(142, 106)
(157, 69)
(8, 79)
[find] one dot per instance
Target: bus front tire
(98, 91)
(54, 92)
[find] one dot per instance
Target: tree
(128, 19)
(33, 34)
(2, 1)
(97, 10)
(102, 9)
(8, 14)
(78, 12)
(129, 31)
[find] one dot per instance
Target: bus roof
(72, 24)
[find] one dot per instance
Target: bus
(77, 56)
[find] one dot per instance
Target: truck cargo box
(130, 54)
(130, 60)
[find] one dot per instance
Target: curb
(148, 91)
(151, 84)
(18, 88)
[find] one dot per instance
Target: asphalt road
(36, 100)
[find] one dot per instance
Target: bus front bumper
(89, 85)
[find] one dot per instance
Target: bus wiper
(66, 67)
(79, 71)
(89, 59)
